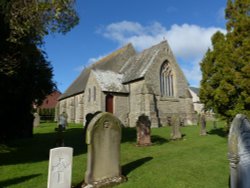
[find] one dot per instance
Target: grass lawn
(195, 161)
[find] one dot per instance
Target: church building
(129, 84)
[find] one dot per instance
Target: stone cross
(60, 167)
(239, 152)
(203, 131)
(143, 125)
(175, 123)
(103, 160)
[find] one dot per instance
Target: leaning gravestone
(239, 152)
(103, 160)
(175, 123)
(60, 167)
(143, 125)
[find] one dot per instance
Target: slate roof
(110, 81)
(136, 67)
(195, 90)
(124, 62)
(112, 62)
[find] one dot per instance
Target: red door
(109, 103)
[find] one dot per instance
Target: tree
(225, 84)
(25, 74)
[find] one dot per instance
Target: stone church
(128, 84)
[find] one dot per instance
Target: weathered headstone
(203, 131)
(60, 167)
(62, 121)
(103, 160)
(175, 123)
(239, 152)
(143, 125)
(36, 120)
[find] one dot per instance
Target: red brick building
(51, 100)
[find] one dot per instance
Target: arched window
(166, 80)
(89, 97)
(94, 93)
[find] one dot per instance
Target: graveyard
(192, 161)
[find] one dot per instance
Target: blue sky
(107, 25)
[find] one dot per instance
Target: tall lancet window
(166, 76)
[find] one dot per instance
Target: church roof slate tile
(136, 67)
(110, 81)
(123, 61)
(112, 62)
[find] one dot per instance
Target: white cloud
(193, 73)
(188, 42)
(94, 59)
(89, 62)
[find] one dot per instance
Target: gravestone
(36, 120)
(239, 152)
(143, 125)
(60, 167)
(62, 121)
(175, 123)
(103, 160)
(203, 131)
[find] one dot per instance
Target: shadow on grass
(127, 168)
(37, 148)
(128, 135)
(219, 131)
(158, 140)
(18, 180)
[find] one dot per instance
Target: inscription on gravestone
(239, 152)
(60, 167)
(103, 162)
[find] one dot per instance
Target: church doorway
(109, 103)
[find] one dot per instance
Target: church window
(89, 97)
(94, 93)
(166, 80)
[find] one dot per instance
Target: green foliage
(225, 84)
(36, 18)
(25, 74)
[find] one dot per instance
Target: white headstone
(60, 167)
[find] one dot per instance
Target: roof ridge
(112, 55)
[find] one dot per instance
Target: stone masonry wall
(121, 108)
(135, 101)
(92, 100)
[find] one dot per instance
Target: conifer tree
(225, 84)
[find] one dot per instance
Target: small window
(94, 93)
(89, 97)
